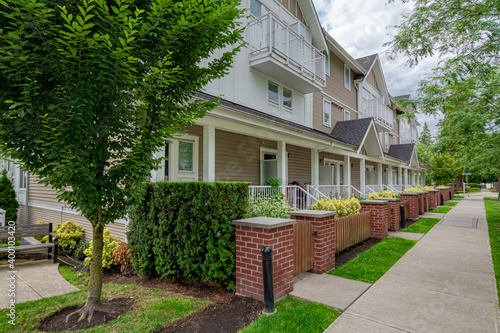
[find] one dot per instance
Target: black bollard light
(442, 199)
(267, 272)
(402, 216)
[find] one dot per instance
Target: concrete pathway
(433, 215)
(445, 283)
(33, 280)
(333, 291)
(405, 235)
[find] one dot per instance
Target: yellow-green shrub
(381, 194)
(69, 233)
(418, 188)
(108, 253)
(343, 207)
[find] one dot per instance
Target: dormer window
(347, 77)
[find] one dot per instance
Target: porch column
(347, 170)
(362, 173)
(389, 175)
(400, 175)
(423, 177)
(209, 153)
(156, 175)
(405, 176)
(282, 165)
(314, 167)
(380, 174)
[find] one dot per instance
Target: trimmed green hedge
(183, 229)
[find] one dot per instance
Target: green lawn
(443, 210)
(492, 206)
(458, 197)
(493, 190)
(152, 309)
(370, 265)
(294, 316)
(450, 203)
(422, 226)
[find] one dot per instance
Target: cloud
(362, 27)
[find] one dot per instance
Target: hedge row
(183, 229)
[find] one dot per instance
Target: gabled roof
(359, 133)
(367, 61)
(403, 152)
(312, 20)
(402, 96)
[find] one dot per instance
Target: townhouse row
(296, 106)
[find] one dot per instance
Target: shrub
(381, 194)
(69, 233)
(5, 242)
(343, 207)
(183, 229)
(275, 206)
(273, 182)
(122, 257)
(8, 200)
(108, 252)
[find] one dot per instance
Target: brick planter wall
(324, 242)
(426, 201)
(442, 191)
(395, 212)
(251, 236)
(412, 198)
(421, 203)
(378, 209)
(433, 199)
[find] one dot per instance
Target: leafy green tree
(444, 168)
(91, 89)
(425, 149)
(8, 200)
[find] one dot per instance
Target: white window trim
(347, 86)
(347, 112)
(173, 167)
(328, 64)
(329, 123)
(265, 150)
(283, 96)
(279, 93)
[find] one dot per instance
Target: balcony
(384, 116)
(277, 50)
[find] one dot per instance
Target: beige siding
(42, 194)
(299, 165)
(323, 155)
(237, 156)
(293, 7)
(39, 214)
(372, 81)
(355, 173)
(198, 130)
(335, 88)
(22, 215)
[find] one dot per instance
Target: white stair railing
(336, 191)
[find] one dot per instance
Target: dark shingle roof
(402, 97)
(351, 131)
(263, 115)
(366, 62)
(402, 152)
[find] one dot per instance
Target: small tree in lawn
(91, 89)
(8, 200)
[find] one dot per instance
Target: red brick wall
(249, 242)
(395, 215)
(324, 242)
(413, 200)
(379, 224)
(433, 199)
(421, 209)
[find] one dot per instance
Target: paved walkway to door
(445, 283)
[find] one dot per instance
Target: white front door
(183, 159)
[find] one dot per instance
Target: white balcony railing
(335, 191)
(383, 115)
(268, 34)
(295, 196)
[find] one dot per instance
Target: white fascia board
(372, 126)
(312, 20)
(380, 75)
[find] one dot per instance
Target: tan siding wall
(335, 88)
(198, 130)
(355, 176)
(42, 194)
(22, 214)
(39, 214)
(323, 155)
(237, 157)
(293, 7)
(372, 81)
(299, 165)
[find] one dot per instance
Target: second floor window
(393, 140)
(386, 140)
(272, 92)
(347, 77)
(327, 113)
(287, 98)
(347, 115)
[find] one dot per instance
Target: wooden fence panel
(407, 208)
(352, 230)
(303, 247)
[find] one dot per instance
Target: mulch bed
(57, 322)
(348, 254)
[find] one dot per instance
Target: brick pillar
(324, 242)
(412, 198)
(395, 212)
(420, 202)
(433, 199)
(251, 236)
(452, 193)
(379, 218)
(426, 201)
(443, 192)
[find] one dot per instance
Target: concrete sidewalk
(33, 280)
(445, 283)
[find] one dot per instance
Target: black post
(50, 241)
(402, 216)
(56, 244)
(450, 194)
(267, 272)
(442, 200)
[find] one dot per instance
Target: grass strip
(152, 309)
(422, 226)
(492, 207)
(458, 197)
(79, 280)
(370, 265)
(450, 203)
(294, 316)
(442, 210)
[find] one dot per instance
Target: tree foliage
(8, 201)
(91, 89)
(444, 168)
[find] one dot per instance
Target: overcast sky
(362, 27)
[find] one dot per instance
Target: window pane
(272, 92)
(347, 115)
(256, 8)
(326, 112)
(269, 156)
(287, 98)
(186, 156)
(347, 77)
